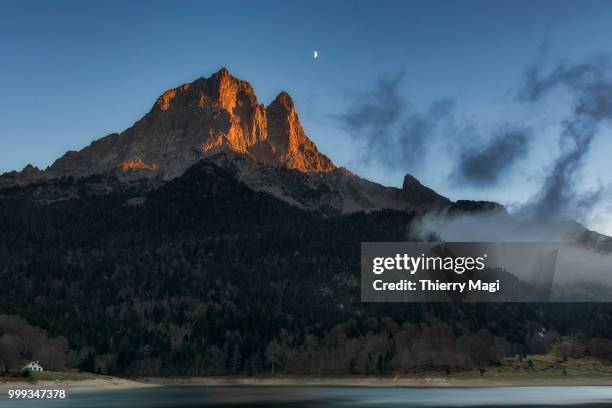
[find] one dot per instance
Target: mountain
(193, 244)
(196, 120)
(220, 119)
(201, 275)
(338, 190)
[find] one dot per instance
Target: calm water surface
(175, 397)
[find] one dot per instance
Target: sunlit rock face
(288, 140)
(194, 121)
(220, 119)
(136, 164)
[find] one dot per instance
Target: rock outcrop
(29, 174)
(337, 191)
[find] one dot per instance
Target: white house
(34, 366)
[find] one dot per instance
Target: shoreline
(97, 383)
(374, 382)
(104, 383)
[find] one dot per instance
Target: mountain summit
(196, 120)
(220, 119)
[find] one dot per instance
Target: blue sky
(72, 72)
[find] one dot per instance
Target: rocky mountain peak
(288, 139)
(410, 183)
(283, 102)
(196, 120)
(27, 175)
(219, 118)
(223, 72)
(419, 193)
(29, 170)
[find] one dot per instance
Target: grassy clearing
(542, 367)
(61, 376)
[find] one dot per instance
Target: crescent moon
(315, 54)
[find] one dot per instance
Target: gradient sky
(72, 72)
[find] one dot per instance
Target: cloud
(397, 136)
(371, 117)
(591, 88)
(577, 265)
(417, 128)
(489, 226)
(485, 165)
(394, 133)
(561, 198)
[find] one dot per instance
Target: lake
(175, 397)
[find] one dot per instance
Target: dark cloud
(372, 116)
(394, 134)
(416, 129)
(591, 88)
(397, 137)
(486, 165)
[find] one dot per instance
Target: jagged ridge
(221, 118)
(193, 121)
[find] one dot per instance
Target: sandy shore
(102, 383)
(93, 384)
(359, 381)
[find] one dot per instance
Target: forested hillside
(202, 275)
